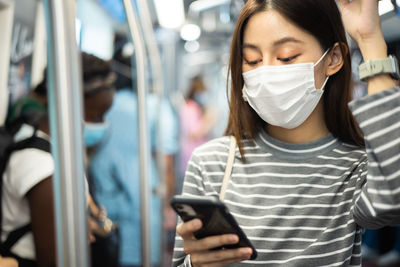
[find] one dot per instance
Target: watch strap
(374, 67)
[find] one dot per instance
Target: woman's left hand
(361, 20)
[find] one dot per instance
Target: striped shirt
(307, 204)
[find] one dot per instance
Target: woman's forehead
(271, 28)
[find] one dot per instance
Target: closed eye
(252, 63)
(287, 59)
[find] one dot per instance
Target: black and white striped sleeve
(193, 186)
(378, 116)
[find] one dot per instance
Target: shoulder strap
(13, 237)
(228, 169)
(31, 142)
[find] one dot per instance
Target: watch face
(395, 67)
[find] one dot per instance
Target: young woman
(312, 170)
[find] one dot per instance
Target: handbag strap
(228, 169)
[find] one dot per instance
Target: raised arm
(361, 20)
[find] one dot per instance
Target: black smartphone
(215, 217)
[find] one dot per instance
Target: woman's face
(271, 39)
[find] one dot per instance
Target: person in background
(27, 184)
(114, 166)
(196, 120)
(313, 167)
(27, 195)
(381, 247)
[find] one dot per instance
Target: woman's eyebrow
(286, 40)
(275, 43)
(251, 46)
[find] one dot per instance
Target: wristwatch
(374, 67)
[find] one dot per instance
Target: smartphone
(215, 217)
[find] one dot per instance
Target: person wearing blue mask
(311, 168)
(98, 94)
(27, 180)
(115, 165)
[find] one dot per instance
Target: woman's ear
(335, 60)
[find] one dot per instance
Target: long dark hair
(320, 18)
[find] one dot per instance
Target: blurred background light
(192, 46)
(190, 32)
(201, 5)
(385, 6)
(78, 29)
(128, 49)
(170, 13)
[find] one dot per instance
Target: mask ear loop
(319, 60)
(327, 78)
(323, 86)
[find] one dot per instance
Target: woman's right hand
(200, 251)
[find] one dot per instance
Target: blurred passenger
(18, 80)
(381, 247)
(114, 166)
(27, 182)
(392, 257)
(27, 193)
(312, 168)
(99, 92)
(196, 120)
(370, 245)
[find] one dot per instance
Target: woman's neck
(312, 129)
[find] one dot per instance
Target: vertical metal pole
(140, 55)
(65, 110)
(39, 59)
(170, 61)
(156, 67)
(154, 53)
(6, 22)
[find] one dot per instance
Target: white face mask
(283, 95)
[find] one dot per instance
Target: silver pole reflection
(158, 86)
(140, 55)
(65, 110)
